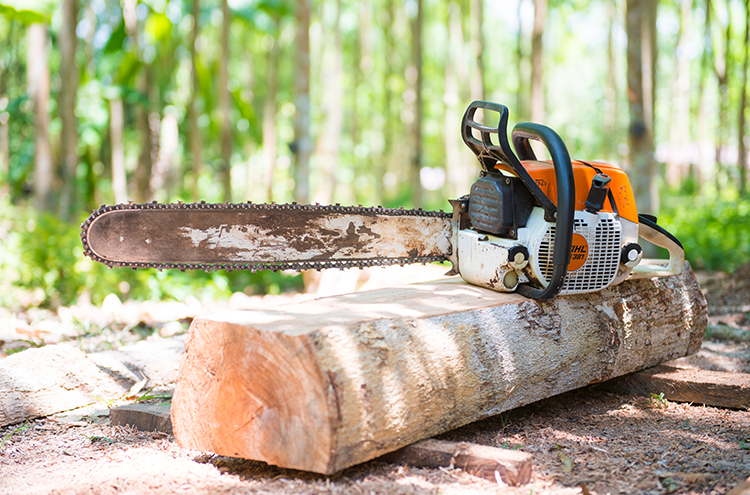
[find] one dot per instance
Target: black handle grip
(489, 153)
(522, 133)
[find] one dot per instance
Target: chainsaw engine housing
(596, 255)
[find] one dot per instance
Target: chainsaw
(539, 228)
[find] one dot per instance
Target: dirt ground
(583, 442)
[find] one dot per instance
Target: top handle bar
(489, 153)
(522, 133)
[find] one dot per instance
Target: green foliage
(28, 11)
(25, 426)
(712, 228)
(42, 259)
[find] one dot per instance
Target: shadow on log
(326, 384)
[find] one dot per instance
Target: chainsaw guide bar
(249, 236)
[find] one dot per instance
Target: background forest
(105, 101)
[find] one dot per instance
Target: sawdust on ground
(586, 441)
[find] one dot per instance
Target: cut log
(144, 417)
(325, 384)
(712, 388)
(511, 466)
(56, 378)
(49, 380)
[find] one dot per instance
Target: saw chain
(260, 266)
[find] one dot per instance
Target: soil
(583, 442)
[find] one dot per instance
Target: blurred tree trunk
(537, 105)
(521, 92)
(302, 146)
(477, 47)
(116, 126)
(67, 105)
(382, 165)
(333, 112)
(363, 67)
(39, 89)
(148, 125)
(742, 158)
(610, 93)
(456, 169)
(640, 104)
(721, 68)
(679, 121)
(416, 127)
(702, 124)
(196, 139)
(4, 130)
(226, 122)
(4, 151)
(269, 112)
(147, 121)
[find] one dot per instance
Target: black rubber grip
(522, 133)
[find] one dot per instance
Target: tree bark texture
(326, 384)
(302, 146)
(39, 87)
(67, 106)
(537, 100)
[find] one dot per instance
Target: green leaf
(28, 11)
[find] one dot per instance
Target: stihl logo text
(579, 252)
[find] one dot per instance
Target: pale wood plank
(513, 467)
(712, 388)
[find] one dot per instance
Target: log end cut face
(279, 416)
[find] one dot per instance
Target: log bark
(326, 384)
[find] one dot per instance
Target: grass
(25, 426)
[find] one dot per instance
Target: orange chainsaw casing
(543, 174)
